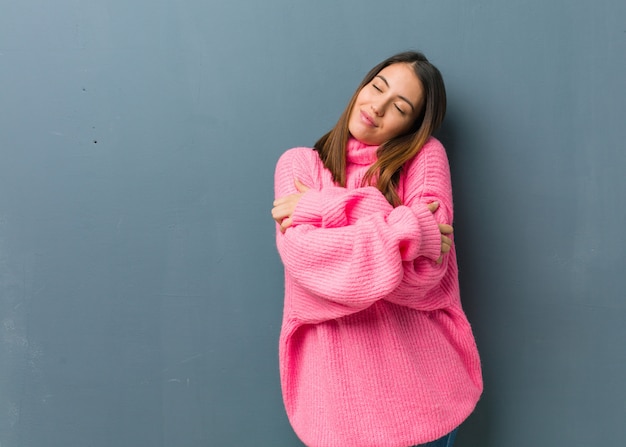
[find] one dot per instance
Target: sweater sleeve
(330, 207)
(348, 268)
(335, 207)
(426, 284)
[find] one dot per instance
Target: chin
(362, 138)
(367, 141)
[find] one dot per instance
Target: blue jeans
(446, 441)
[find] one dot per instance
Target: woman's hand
(444, 229)
(285, 206)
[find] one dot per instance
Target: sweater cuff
(430, 246)
(320, 208)
(309, 209)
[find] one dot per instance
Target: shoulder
(433, 150)
(432, 156)
(434, 145)
(300, 162)
(428, 173)
(297, 156)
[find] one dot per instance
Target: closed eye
(399, 109)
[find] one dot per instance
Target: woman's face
(387, 106)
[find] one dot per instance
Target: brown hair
(393, 154)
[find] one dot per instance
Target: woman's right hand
(444, 229)
(285, 206)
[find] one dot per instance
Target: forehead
(402, 78)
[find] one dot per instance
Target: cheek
(362, 97)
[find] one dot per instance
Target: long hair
(393, 154)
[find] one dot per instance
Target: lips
(367, 119)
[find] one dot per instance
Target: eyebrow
(405, 99)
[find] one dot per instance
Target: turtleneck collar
(360, 153)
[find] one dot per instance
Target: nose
(378, 109)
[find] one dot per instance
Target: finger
(286, 223)
(433, 206)
(277, 217)
(301, 186)
(440, 260)
(446, 229)
(446, 244)
(279, 213)
(287, 201)
(284, 199)
(276, 212)
(280, 201)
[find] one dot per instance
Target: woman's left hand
(445, 230)
(285, 206)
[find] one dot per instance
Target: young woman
(375, 350)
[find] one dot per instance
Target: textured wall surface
(140, 290)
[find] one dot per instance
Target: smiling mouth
(368, 119)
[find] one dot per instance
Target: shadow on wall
(475, 431)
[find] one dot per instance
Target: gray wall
(140, 290)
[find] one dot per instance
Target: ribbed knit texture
(375, 350)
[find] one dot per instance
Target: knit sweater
(375, 349)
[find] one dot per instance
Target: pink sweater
(375, 349)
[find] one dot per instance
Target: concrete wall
(140, 289)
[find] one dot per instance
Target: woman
(375, 349)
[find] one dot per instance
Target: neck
(360, 153)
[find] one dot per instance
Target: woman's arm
(358, 264)
(298, 171)
(354, 265)
(426, 285)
